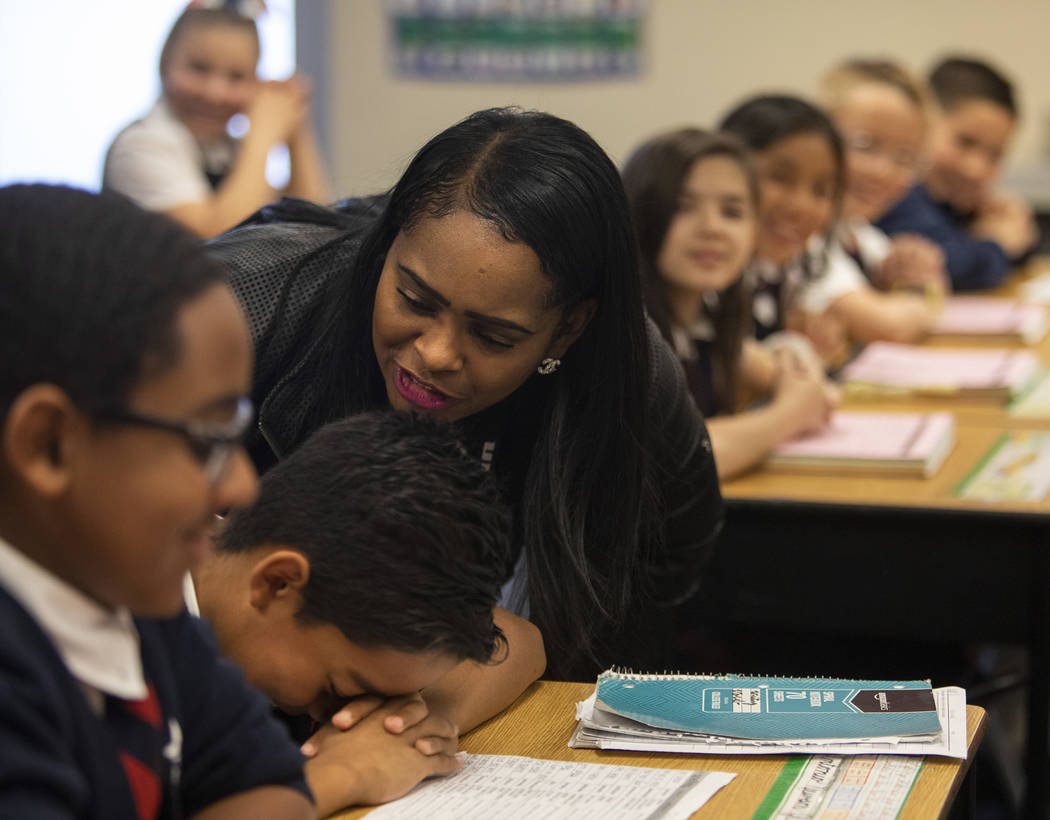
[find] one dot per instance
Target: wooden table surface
(979, 423)
(540, 722)
(776, 499)
(973, 440)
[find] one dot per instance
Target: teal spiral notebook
(771, 708)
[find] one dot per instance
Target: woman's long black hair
(586, 510)
(653, 176)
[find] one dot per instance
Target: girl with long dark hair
(694, 198)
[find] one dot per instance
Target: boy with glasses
(122, 399)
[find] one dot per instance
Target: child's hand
(805, 396)
(914, 262)
(826, 333)
(412, 710)
(1009, 222)
(367, 764)
(278, 110)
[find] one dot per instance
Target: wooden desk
(899, 557)
(540, 722)
(893, 557)
(973, 439)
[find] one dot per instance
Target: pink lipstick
(418, 392)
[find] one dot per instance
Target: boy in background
(366, 574)
(122, 400)
(982, 232)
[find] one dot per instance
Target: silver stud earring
(548, 366)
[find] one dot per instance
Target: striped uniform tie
(137, 728)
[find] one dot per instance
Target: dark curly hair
(407, 539)
(92, 286)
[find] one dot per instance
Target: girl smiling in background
(801, 282)
(179, 158)
(694, 199)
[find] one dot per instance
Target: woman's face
(712, 233)
(884, 133)
(797, 177)
(462, 317)
(209, 76)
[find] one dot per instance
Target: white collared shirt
(841, 275)
(157, 162)
(99, 645)
(189, 594)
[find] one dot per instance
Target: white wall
(704, 55)
(75, 73)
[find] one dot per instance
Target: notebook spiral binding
(626, 673)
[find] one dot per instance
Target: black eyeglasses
(211, 443)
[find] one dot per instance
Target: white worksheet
(527, 788)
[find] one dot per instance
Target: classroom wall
(703, 56)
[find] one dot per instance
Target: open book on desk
(735, 714)
(991, 319)
(884, 443)
(899, 371)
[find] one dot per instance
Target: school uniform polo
(866, 244)
(160, 165)
(813, 284)
(70, 670)
(973, 264)
(841, 275)
(694, 347)
(774, 289)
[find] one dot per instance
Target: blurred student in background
(804, 280)
(694, 199)
(981, 231)
(180, 158)
(880, 110)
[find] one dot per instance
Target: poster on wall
(516, 40)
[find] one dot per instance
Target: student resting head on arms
(694, 198)
(180, 159)
(366, 571)
(881, 111)
(981, 231)
(123, 398)
(497, 288)
(803, 269)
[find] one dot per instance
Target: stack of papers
(889, 369)
(990, 318)
(732, 714)
(888, 443)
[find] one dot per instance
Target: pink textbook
(889, 443)
(886, 368)
(991, 319)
